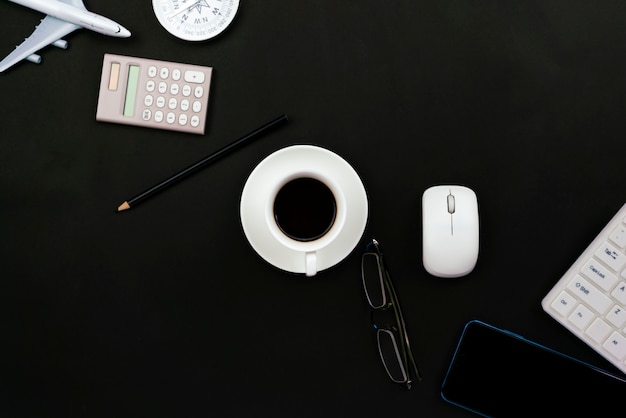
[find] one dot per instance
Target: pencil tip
(123, 206)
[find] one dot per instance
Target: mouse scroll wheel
(451, 207)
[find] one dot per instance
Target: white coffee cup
(313, 187)
(290, 236)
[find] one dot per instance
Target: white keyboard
(590, 298)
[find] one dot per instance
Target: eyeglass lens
(373, 280)
(390, 356)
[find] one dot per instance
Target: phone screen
(498, 373)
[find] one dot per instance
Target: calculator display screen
(497, 373)
(131, 90)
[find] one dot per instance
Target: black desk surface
(165, 310)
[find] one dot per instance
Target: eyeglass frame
(390, 301)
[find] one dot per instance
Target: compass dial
(195, 20)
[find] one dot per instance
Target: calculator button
(158, 116)
(171, 118)
(184, 105)
(182, 119)
(150, 85)
(176, 74)
(148, 100)
(160, 102)
(164, 73)
(162, 87)
(172, 103)
(198, 92)
(192, 76)
(197, 106)
(174, 89)
(152, 71)
(147, 114)
(195, 121)
(186, 90)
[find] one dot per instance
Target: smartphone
(497, 373)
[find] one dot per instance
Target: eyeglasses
(393, 340)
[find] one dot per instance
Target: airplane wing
(48, 31)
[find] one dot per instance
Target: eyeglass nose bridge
(384, 318)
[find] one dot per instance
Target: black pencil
(200, 164)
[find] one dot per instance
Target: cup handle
(310, 264)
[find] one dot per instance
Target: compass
(195, 20)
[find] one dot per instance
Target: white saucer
(285, 164)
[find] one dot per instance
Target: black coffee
(304, 209)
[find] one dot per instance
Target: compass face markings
(202, 4)
(195, 20)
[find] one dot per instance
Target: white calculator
(154, 94)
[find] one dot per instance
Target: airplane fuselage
(77, 16)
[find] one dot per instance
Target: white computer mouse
(450, 230)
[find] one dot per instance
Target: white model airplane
(63, 17)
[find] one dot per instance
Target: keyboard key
(599, 330)
(619, 293)
(611, 256)
(618, 236)
(617, 316)
(599, 274)
(616, 345)
(589, 294)
(581, 317)
(564, 303)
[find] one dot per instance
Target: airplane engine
(34, 58)
(61, 43)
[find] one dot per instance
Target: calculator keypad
(177, 109)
